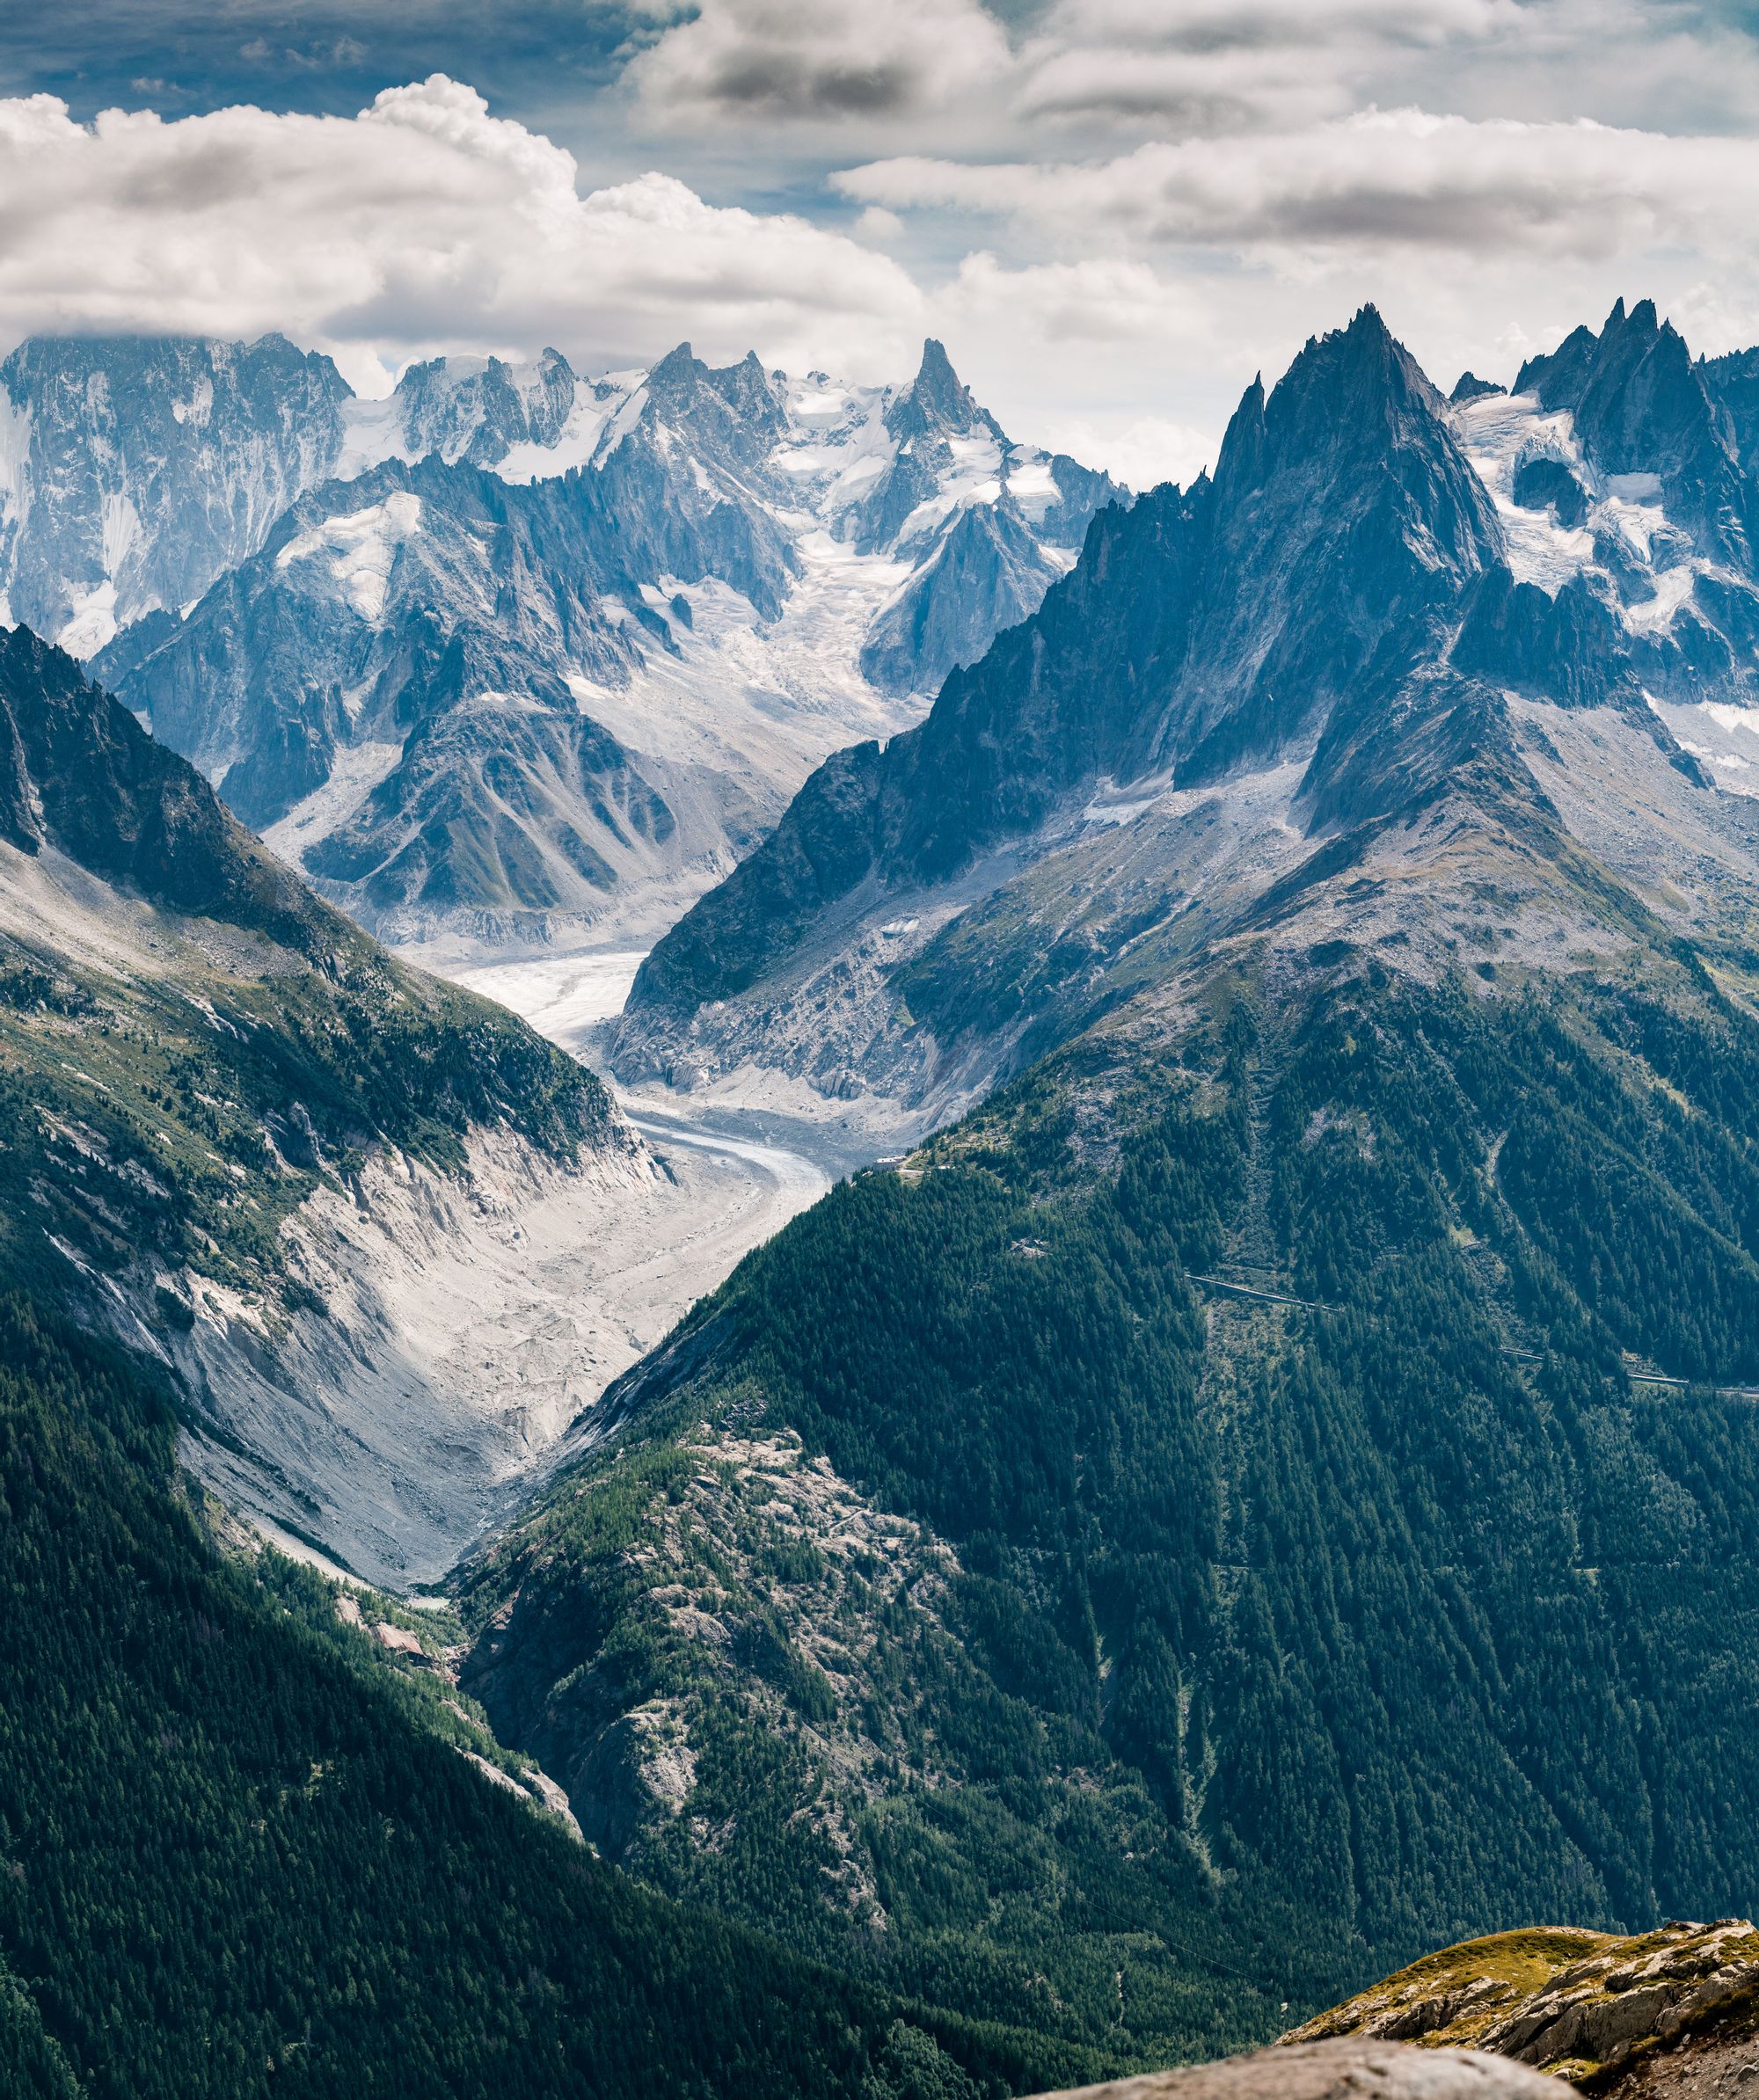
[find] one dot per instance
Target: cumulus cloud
(1199, 65)
(423, 223)
(835, 60)
(1376, 179)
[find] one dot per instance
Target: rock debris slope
(390, 1245)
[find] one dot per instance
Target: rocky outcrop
(477, 409)
(1333, 2071)
(78, 775)
(1589, 2007)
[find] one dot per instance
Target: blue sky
(1113, 211)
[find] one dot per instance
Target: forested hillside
(233, 1860)
(229, 1867)
(1218, 1637)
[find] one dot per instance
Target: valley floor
(569, 998)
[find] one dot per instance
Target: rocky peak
(681, 378)
(1354, 389)
(746, 388)
(731, 411)
(939, 404)
(987, 573)
(1642, 407)
(1354, 406)
(1200, 633)
(1242, 451)
(474, 409)
(1341, 506)
(1470, 387)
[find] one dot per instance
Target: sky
(1113, 212)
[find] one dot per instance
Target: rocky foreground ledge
(1659, 2015)
(1673, 2011)
(1349, 2069)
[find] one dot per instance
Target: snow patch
(1673, 588)
(91, 625)
(1496, 433)
(363, 544)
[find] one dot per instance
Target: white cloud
(834, 60)
(1112, 213)
(1213, 90)
(876, 223)
(1141, 451)
(423, 223)
(1374, 181)
(1104, 299)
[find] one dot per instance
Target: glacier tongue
(472, 1327)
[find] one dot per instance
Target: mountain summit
(939, 404)
(1255, 682)
(604, 627)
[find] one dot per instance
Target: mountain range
(1261, 1483)
(1307, 1407)
(510, 652)
(1273, 677)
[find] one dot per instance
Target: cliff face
(134, 470)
